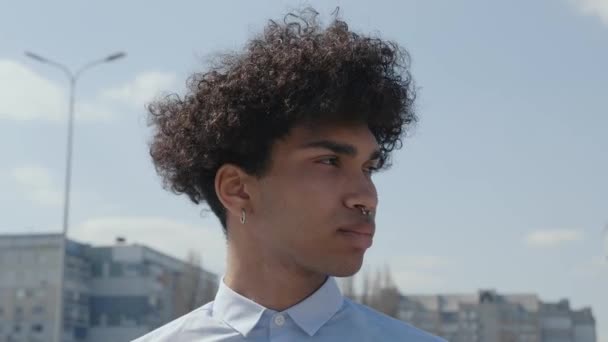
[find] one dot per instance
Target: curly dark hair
(295, 72)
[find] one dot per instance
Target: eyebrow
(339, 148)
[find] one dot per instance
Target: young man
(280, 141)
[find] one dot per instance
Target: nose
(363, 195)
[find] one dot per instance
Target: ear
(231, 187)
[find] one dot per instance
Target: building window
(94, 320)
(114, 320)
(131, 270)
(38, 310)
(38, 328)
(153, 300)
(80, 333)
(21, 293)
(105, 269)
(116, 270)
(96, 270)
(128, 321)
(40, 293)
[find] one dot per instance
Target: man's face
(308, 204)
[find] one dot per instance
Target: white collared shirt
(324, 316)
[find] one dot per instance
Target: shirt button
(279, 320)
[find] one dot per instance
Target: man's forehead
(354, 133)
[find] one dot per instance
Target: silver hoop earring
(243, 216)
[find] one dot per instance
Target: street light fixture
(73, 77)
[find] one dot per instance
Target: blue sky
(501, 185)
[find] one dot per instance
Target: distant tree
(348, 287)
(376, 288)
(386, 294)
(366, 295)
(193, 288)
(379, 291)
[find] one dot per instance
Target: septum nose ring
(365, 211)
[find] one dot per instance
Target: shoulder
(393, 329)
(184, 327)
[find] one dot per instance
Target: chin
(346, 269)
(345, 273)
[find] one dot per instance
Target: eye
(373, 166)
(371, 170)
(329, 161)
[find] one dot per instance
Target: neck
(266, 279)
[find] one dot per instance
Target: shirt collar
(316, 310)
(239, 312)
(243, 314)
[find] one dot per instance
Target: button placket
(279, 320)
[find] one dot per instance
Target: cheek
(323, 177)
(318, 198)
(320, 191)
(311, 180)
(303, 196)
(303, 203)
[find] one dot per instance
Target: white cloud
(28, 96)
(594, 7)
(169, 236)
(142, 89)
(32, 176)
(552, 238)
(36, 185)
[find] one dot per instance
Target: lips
(361, 228)
(360, 235)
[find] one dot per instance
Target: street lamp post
(73, 78)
